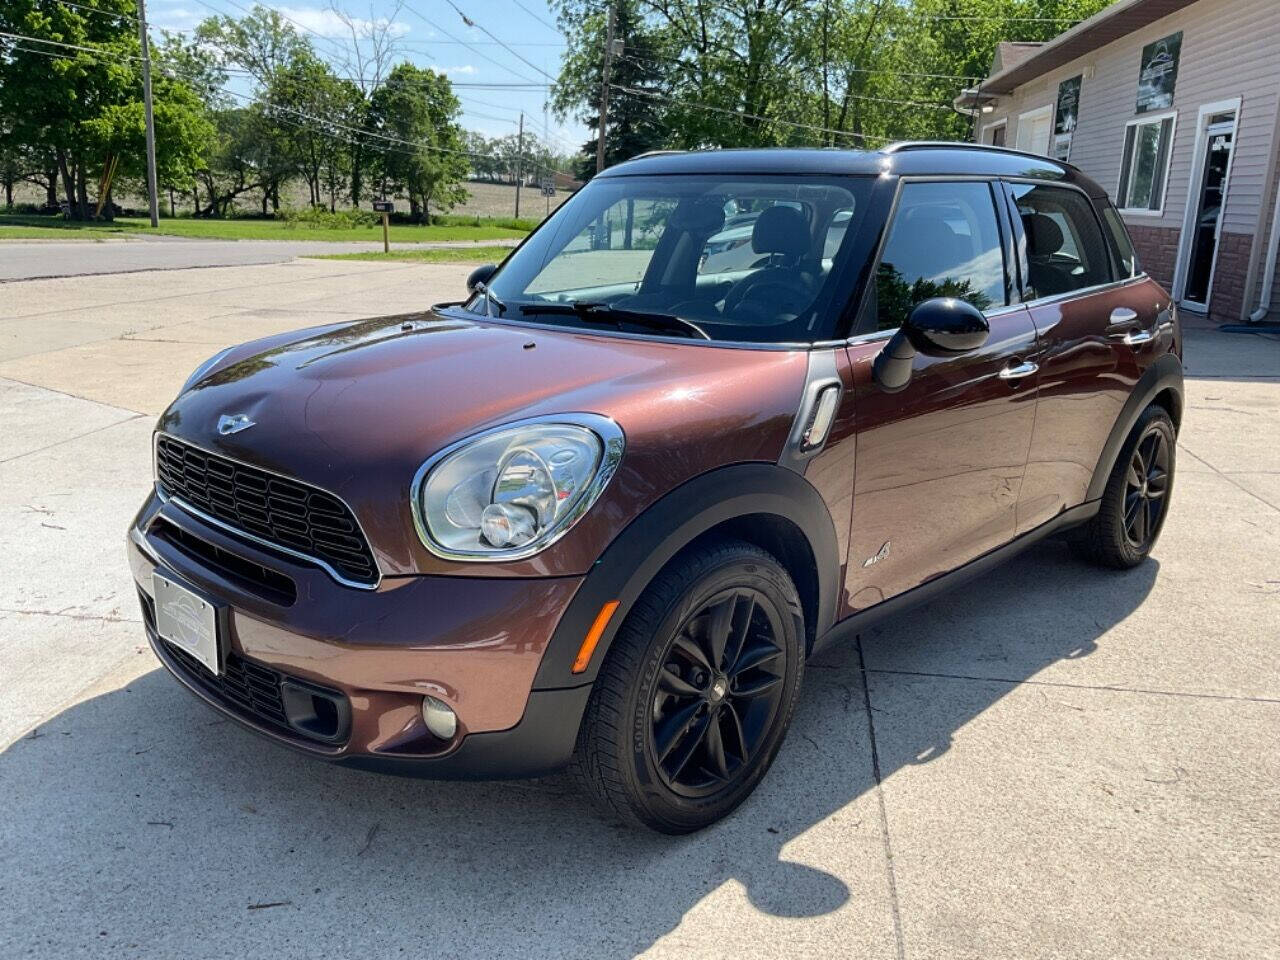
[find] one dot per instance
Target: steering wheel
(771, 292)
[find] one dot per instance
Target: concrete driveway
(1055, 762)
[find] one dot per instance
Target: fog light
(439, 718)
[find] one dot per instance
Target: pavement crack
(884, 816)
(71, 616)
(1106, 688)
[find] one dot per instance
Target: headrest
(704, 216)
(781, 230)
(1044, 236)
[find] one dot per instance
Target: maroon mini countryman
(719, 410)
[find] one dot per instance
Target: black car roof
(901, 159)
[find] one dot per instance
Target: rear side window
(1065, 247)
(1125, 255)
(944, 242)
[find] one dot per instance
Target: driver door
(940, 463)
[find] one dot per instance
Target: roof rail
(905, 145)
(656, 153)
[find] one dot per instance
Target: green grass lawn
(478, 254)
(19, 227)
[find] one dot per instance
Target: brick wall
(1226, 299)
(1157, 251)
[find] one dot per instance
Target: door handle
(1018, 372)
(1122, 321)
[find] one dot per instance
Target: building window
(1145, 165)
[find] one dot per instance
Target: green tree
(82, 107)
(636, 120)
(423, 151)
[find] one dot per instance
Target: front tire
(1136, 499)
(697, 690)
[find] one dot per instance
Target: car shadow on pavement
(140, 822)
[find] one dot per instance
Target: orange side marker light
(593, 636)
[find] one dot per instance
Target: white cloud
(328, 24)
(464, 70)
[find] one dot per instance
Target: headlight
(513, 491)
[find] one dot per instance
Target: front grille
(280, 511)
(253, 577)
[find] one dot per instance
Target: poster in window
(1159, 73)
(1065, 116)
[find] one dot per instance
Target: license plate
(187, 620)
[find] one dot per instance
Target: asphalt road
(27, 261)
(1055, 761)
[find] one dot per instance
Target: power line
(98, 10)
(481, 27)
(481, 53)
(895, 73)
(750, 116)
(549, 26)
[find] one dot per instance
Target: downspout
(1269, 272)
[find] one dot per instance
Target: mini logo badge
(880, 555)
(233, 423)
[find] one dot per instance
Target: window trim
(1127, 175)
(1002, 122)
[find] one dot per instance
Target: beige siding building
(1174, 107)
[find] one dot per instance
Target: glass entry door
(1219, 140)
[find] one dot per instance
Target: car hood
(355, 409)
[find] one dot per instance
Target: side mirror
(481, 274)
(939, 327)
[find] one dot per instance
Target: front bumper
(475, 643)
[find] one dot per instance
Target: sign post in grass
(385, 207)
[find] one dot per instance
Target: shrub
(318, 218)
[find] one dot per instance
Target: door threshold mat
(1250, 328)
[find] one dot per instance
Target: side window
(1127, 258)
(1065, 247)
(944, 242)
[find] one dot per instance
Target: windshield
(742, 258)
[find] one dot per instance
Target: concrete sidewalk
(1053, 762)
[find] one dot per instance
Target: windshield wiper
(597, 311)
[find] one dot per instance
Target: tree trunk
(265, 194)
(82, 191)
(51, 186)
(8, 194)
(173, 212)
(68, 184)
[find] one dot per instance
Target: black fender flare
(1164, 374)
(649, 542)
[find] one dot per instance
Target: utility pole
(152, 189)
(519, 163)
(604, 90)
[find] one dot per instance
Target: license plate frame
(190, 621)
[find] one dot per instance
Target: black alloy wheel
(718, 692)
(1146, 489)
(696, 690)
(1135, 501)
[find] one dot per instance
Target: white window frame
(1002, 122)
(1145, 119)
(1036, 114)
(1180, 270)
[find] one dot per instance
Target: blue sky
(430, 31)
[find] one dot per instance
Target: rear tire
(696, 692)
(1135, 501)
